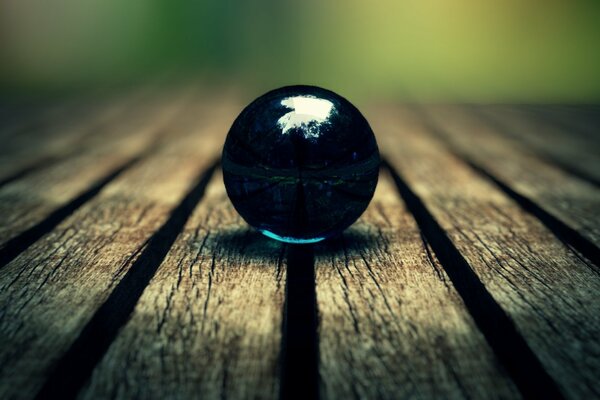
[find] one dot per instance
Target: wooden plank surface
(26, 115)
(546, 289)
(33, 199)
(58, 135)
(571, 200)
(50, 291)
(391, 324)
(580, 119)
(209, 323)
(126, 273)
(560, 144)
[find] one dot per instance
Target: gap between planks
(545, 288)
(33, 206)
(109, 232)
(564, 205)
(558, 145)
(210, 280)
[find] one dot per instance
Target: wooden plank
(27, 114)
(31, 199)
(50, 292)
(42, 145)
(547, 290)
(581, 120)
(54, 118)
(572, 201)
(560, 145)
(67, 133)
(391, 323)
(209, 323)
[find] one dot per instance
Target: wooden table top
(126, 273)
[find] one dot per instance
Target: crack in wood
(76, 365)
(545, 155)
(567, 235)
(510, 348)
(15, 246)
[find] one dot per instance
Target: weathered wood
(50, 291)
(28, 201)
(573, 201)
(209, 324)
(54, 120)
(395, 320)
(582, 120)
(42, 146)
(560, 145)
(391, 324)
(28, 114)
(68, 133)
(549, 292)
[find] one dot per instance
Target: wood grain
(75, 129)
(28, 201)
(50, 291)
(547, 290)
(559, 144)
(391, 323)
(582, 120)
(152, 287)
(209, 323)
(26, 114)
(571, 200)
(45, 140)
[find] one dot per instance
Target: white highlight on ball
(308, 113)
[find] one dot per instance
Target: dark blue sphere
(300, 164)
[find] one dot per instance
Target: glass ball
(300, 164)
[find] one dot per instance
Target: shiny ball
(300, 164)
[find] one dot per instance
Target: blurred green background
(464, 50)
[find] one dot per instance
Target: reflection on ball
(300, 164)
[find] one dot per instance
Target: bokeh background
(438, 50)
